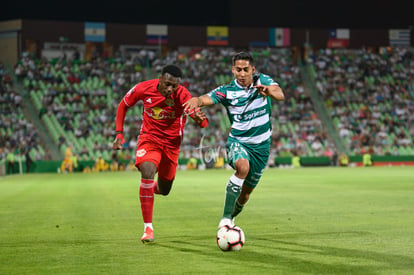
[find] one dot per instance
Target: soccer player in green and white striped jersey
(247, 100)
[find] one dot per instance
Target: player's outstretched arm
(196, 102)
(120, 118)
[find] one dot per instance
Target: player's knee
(242, 168)
(148, 170)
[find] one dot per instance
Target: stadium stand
(76, 100)
(17, 133)
(369, 96)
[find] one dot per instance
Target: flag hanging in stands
(95, 32)
(217, 36)
(338, 38)
(399, 37)
(157, 34)
(279, 37)
(339, 33)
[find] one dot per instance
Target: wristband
(121, 137)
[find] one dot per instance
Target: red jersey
(163, 118)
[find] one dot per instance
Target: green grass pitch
(298, 221)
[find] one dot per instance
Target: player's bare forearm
(205, 100)
(276, 93)
(196, 102)
(273, 91)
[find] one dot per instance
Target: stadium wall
(34, 33)
(9, 41)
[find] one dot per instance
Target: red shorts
(165, 158)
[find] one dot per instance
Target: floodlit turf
(298, 221)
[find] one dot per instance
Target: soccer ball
(230, 238)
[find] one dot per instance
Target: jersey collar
(242, 87)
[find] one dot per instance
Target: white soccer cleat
(226, 221)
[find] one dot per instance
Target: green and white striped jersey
(248, 111)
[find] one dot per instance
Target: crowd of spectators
(82, 96)
(370, 96)
(17, 135)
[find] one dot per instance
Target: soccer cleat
(226, 221)
(148, 235)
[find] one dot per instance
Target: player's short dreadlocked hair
(172, 70)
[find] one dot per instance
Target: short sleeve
(218, 95)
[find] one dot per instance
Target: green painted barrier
(52, 166)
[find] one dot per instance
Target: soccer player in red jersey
(160, 137)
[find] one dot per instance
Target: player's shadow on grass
(355, 261)
(280, 254)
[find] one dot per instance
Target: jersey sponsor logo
(159, 113)
(141, 152)
(220, 95)
(237, 118)
(249, 116)
(148, 100)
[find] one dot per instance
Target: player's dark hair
(173, 70)
(243, 56)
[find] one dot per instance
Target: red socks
(146, 197)
(155, 188)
